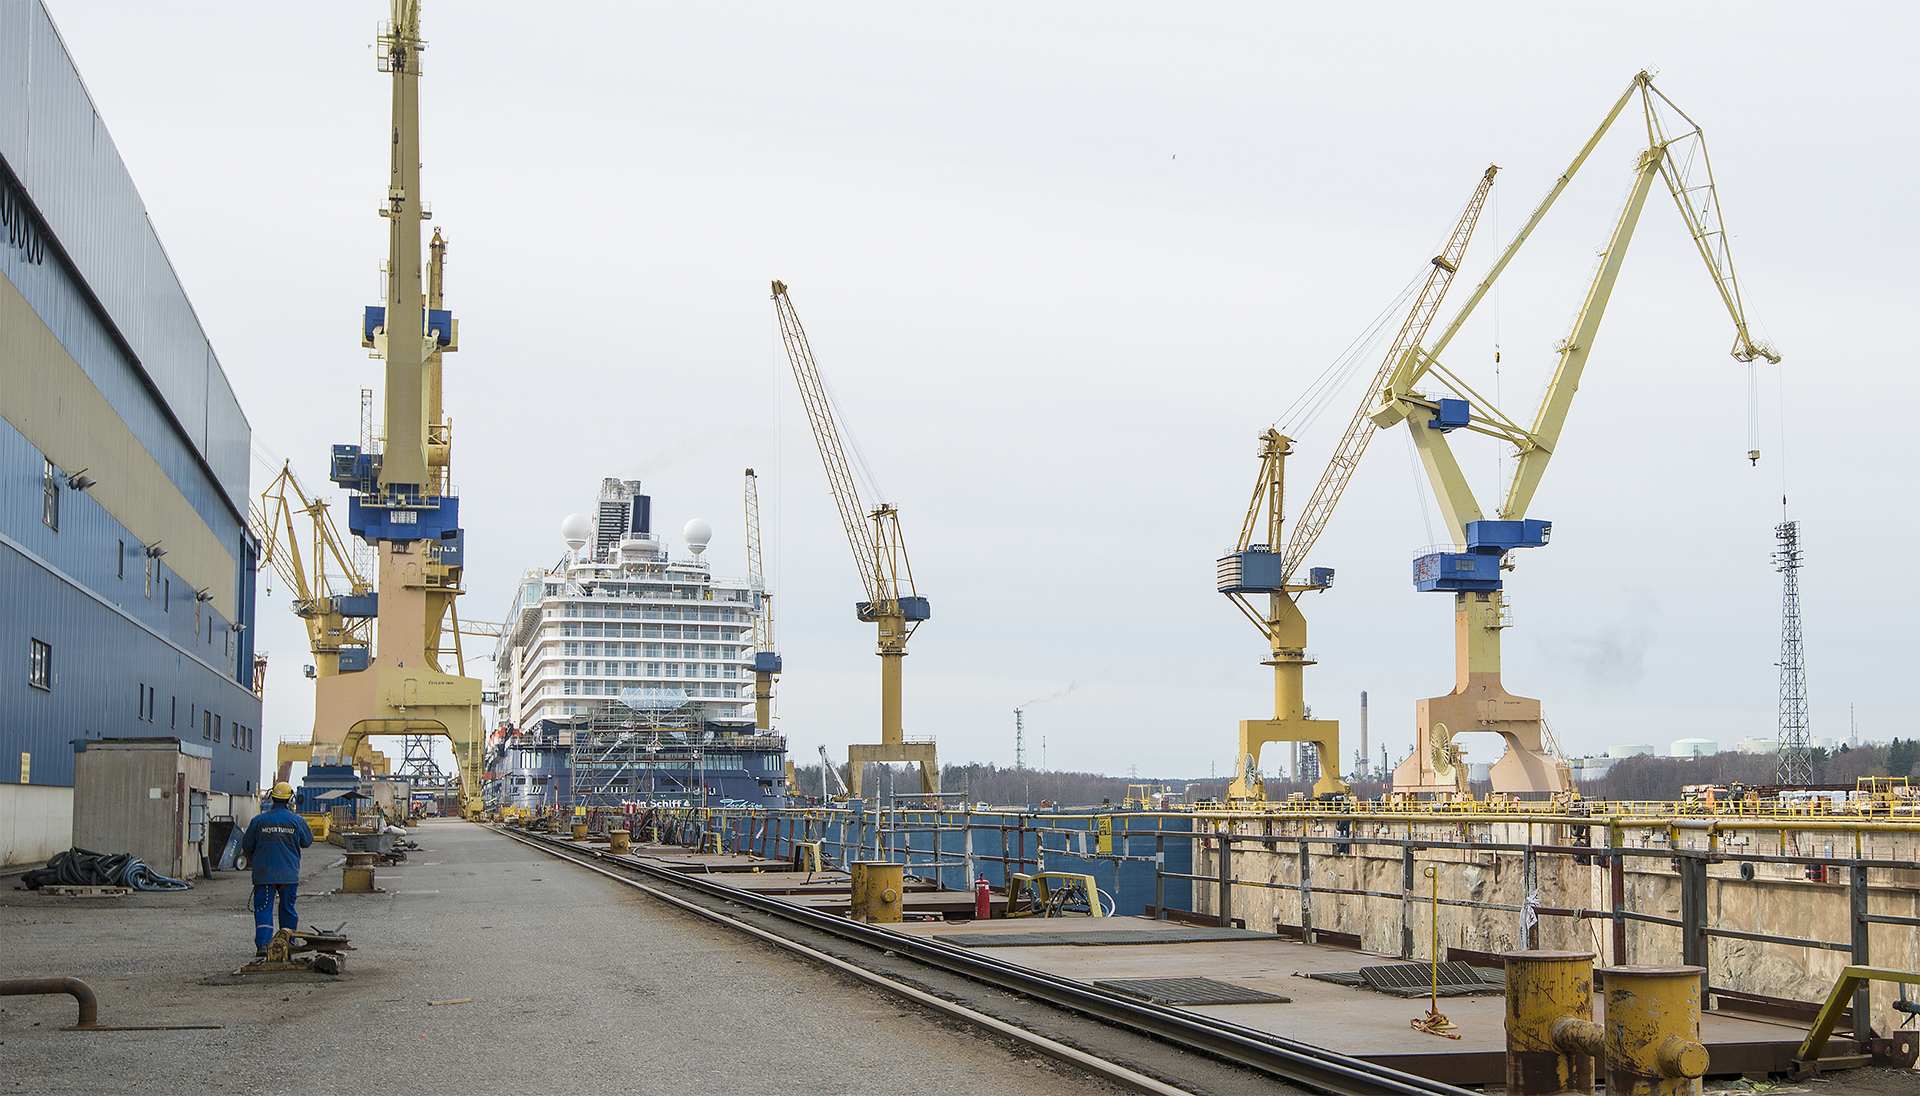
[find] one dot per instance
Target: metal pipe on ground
(81, 993)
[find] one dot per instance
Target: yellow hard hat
(282, 790)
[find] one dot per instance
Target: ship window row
(570, 707)
(590, 611)
(579, 668)
(650, 631)
(573, 649)
(615, 688)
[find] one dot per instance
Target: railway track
(864, 946)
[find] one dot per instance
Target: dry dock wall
(1779, 900)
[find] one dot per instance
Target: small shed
(145, 796)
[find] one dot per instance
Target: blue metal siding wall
(87, 549)
(55, 142)
(100, 660)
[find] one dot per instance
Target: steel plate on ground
(1117, 936)
(1418, 979)
(1192, 991)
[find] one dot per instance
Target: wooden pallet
(87, 892)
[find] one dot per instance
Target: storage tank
(1757, 746)
(1693, 747)
(1629, 749)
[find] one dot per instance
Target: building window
(39, 664)
(650, 631)
(570, 649)
(653, 650)
(216, 728)
(673, 669)
(173, 712)
(206, 725)
(731, 671)
(712, 671)
(590, 669)
(589, 649)
(569, 667)
(50, 502)
(148, 556)
(569, 629)
(632, 650)
(713, 651)
(710, 690)
(633, 669)
(166, 601)
(653, 669)
(123, 559)
(570, 688)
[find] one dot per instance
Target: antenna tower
(1019, 739)
(1796, 760)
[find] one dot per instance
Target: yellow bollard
(1551, 1036)
(876, 891)
(618, 842)
(1653, 1031)
(579, 831)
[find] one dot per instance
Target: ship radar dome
(576, 528)
(698, 535)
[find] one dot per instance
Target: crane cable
(1332, 381)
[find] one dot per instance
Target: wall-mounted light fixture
(80, 481)
(154, 551)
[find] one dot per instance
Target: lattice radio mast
(1796, 760)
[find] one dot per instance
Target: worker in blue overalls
(273, 842)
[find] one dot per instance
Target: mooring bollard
(1653, 1031)
(1551, 1036)
(877, 891)
(579, 831)
(618, 841)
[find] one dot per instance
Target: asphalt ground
(577, 985)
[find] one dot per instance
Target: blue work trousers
(263, 900)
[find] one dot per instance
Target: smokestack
(641, 518)
(1363, 723)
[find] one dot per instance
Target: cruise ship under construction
(626, 801)
(626, 676)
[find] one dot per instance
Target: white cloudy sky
(1062, 263)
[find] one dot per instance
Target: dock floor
(577, 985)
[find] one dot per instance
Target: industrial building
(126, 566)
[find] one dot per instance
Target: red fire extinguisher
(982, 899)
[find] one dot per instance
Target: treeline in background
(1632, 778)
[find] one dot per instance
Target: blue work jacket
(273, 842)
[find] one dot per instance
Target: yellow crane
(403, 503)
(766, 663)
(1472, 570)
(1258, 563)
(892, 603)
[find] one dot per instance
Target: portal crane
(881, 556)
(766, 663)
(1471, 570)
(403, 503)
(1259, 566)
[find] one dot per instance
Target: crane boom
(766, 662)
(826, 436)
(1360, 430)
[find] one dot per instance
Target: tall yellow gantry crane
(1262, 566)
(766, 662)
(881, 556)
(403, 503)
(1471, 571)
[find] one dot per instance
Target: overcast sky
(1062, 264)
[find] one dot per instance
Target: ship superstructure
(625, 674)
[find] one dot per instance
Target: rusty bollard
(876, 891)
(1551, 1036)
(1653, 1031)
